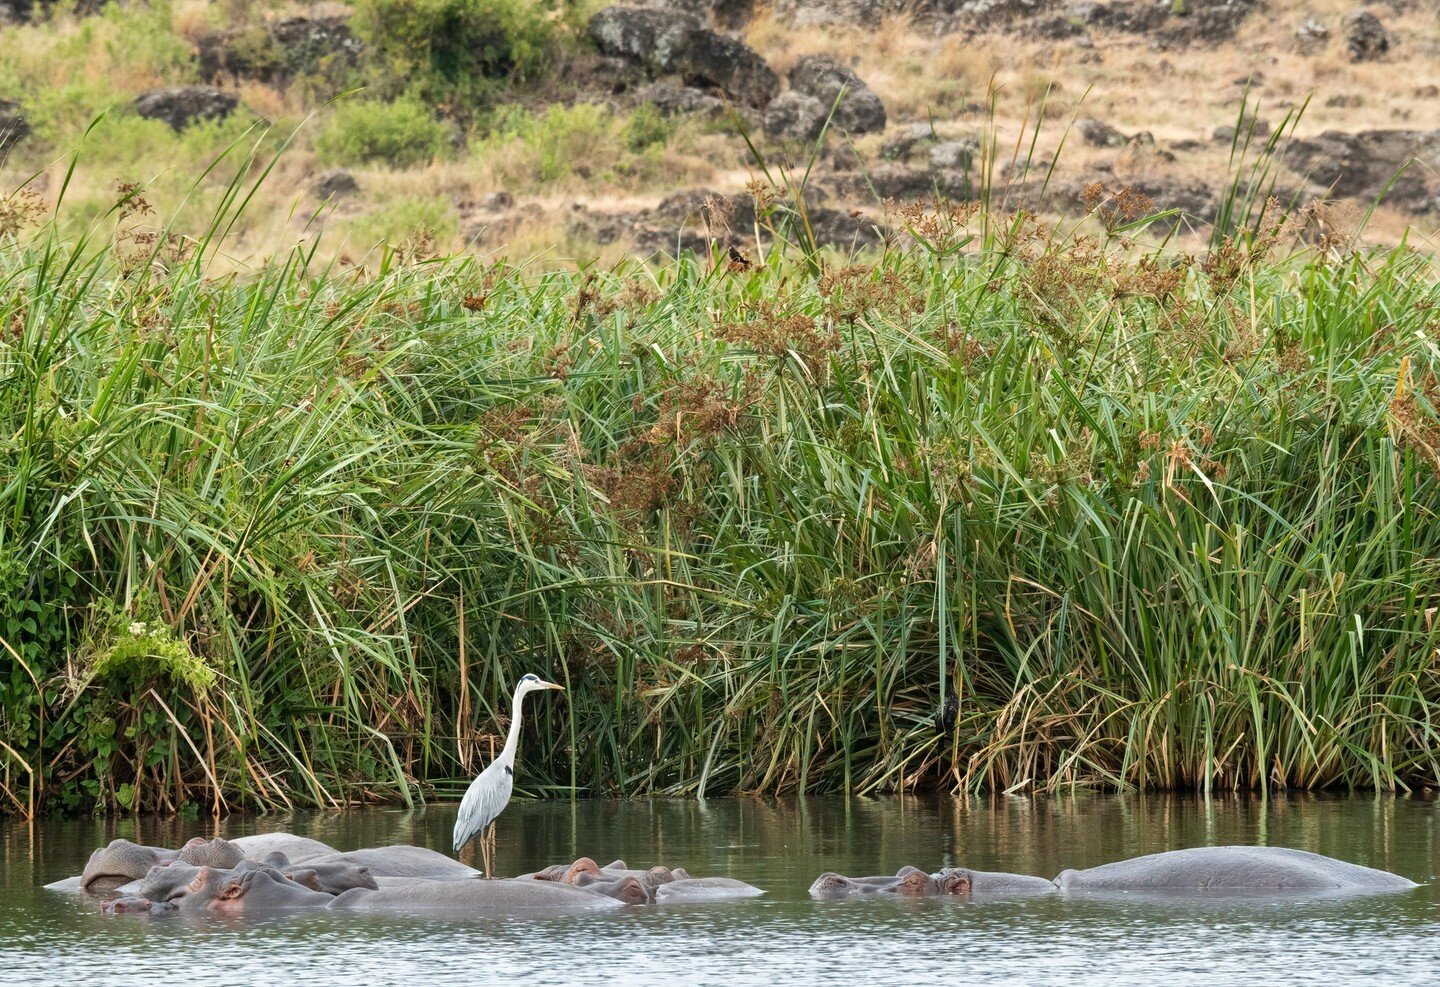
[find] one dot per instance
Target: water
(783, 938)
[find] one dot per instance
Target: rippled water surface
(784, 937)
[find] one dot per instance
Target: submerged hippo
(335, 875)
(251, 887)
(626, 888)
(297, 849)
(705, 889)
(122, 860)
(1232, 868)
(201, 852)
(908, 882)
(400, 861)
(477, 897)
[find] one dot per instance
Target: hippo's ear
(232, 888)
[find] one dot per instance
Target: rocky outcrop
(277, 53)
(669, 42)
(1362, 165)
(1097, 133)
(728, 15)
(696, 220)
(856, 107)
(672, 100)
(185, 105)
(795, 116)
(1365, 37)
(13, 128)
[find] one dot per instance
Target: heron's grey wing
(484, 800)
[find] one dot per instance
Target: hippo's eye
(198, 883)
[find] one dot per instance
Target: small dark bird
(947, 714)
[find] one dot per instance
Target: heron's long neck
(513, 740)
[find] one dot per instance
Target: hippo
(473, 897)
(963, 881)
(626, 888)
(133, 904)
(705, 889)
(218, 853)
(123, 860)
(1232, 868)
(332, 876)
(567, 873)
(247, 888)
(297, 849)
(399, 861)
(908, 882)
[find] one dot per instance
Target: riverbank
(1011, 508)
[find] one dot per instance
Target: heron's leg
(490, 836)
(485, 852)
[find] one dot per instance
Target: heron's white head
(534, 683)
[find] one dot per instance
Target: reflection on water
(784, 937)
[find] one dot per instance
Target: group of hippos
(284, 871)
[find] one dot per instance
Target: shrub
(400, 133)
(453, 51)
(537, 149)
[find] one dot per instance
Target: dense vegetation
(1004, 507)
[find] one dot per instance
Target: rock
(657, 39)
(1253, 129)
(728, 15)
(277, 53)
(185, 105)
(1362, 165)
(953, 155)
(497, 202)
(672, 100)
(795, 116)
(900, 146)
(858, 110)
(1098, 134)
(1365, 37)
(336, 184)
(1311, 36)
(13, 128)
(672, 42)
(589, 72)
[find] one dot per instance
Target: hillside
(580, 131)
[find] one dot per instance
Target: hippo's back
(403, 861)
(475, 897)
(1232, 868)
(297, 849)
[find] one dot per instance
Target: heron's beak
(552, 685)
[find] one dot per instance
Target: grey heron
(489, 793)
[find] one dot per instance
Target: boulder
(1253, 129)
(13, 128)
(1310, 37)
(669, 42)
(857, 108)
(728, 15)
(1098, 134)
(1365, 37)
(672, 100)
(953, 155)
(185, 105)
(901, 145)
(795, 116)
(277, 53)
(336, 184)
(1363, 165)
